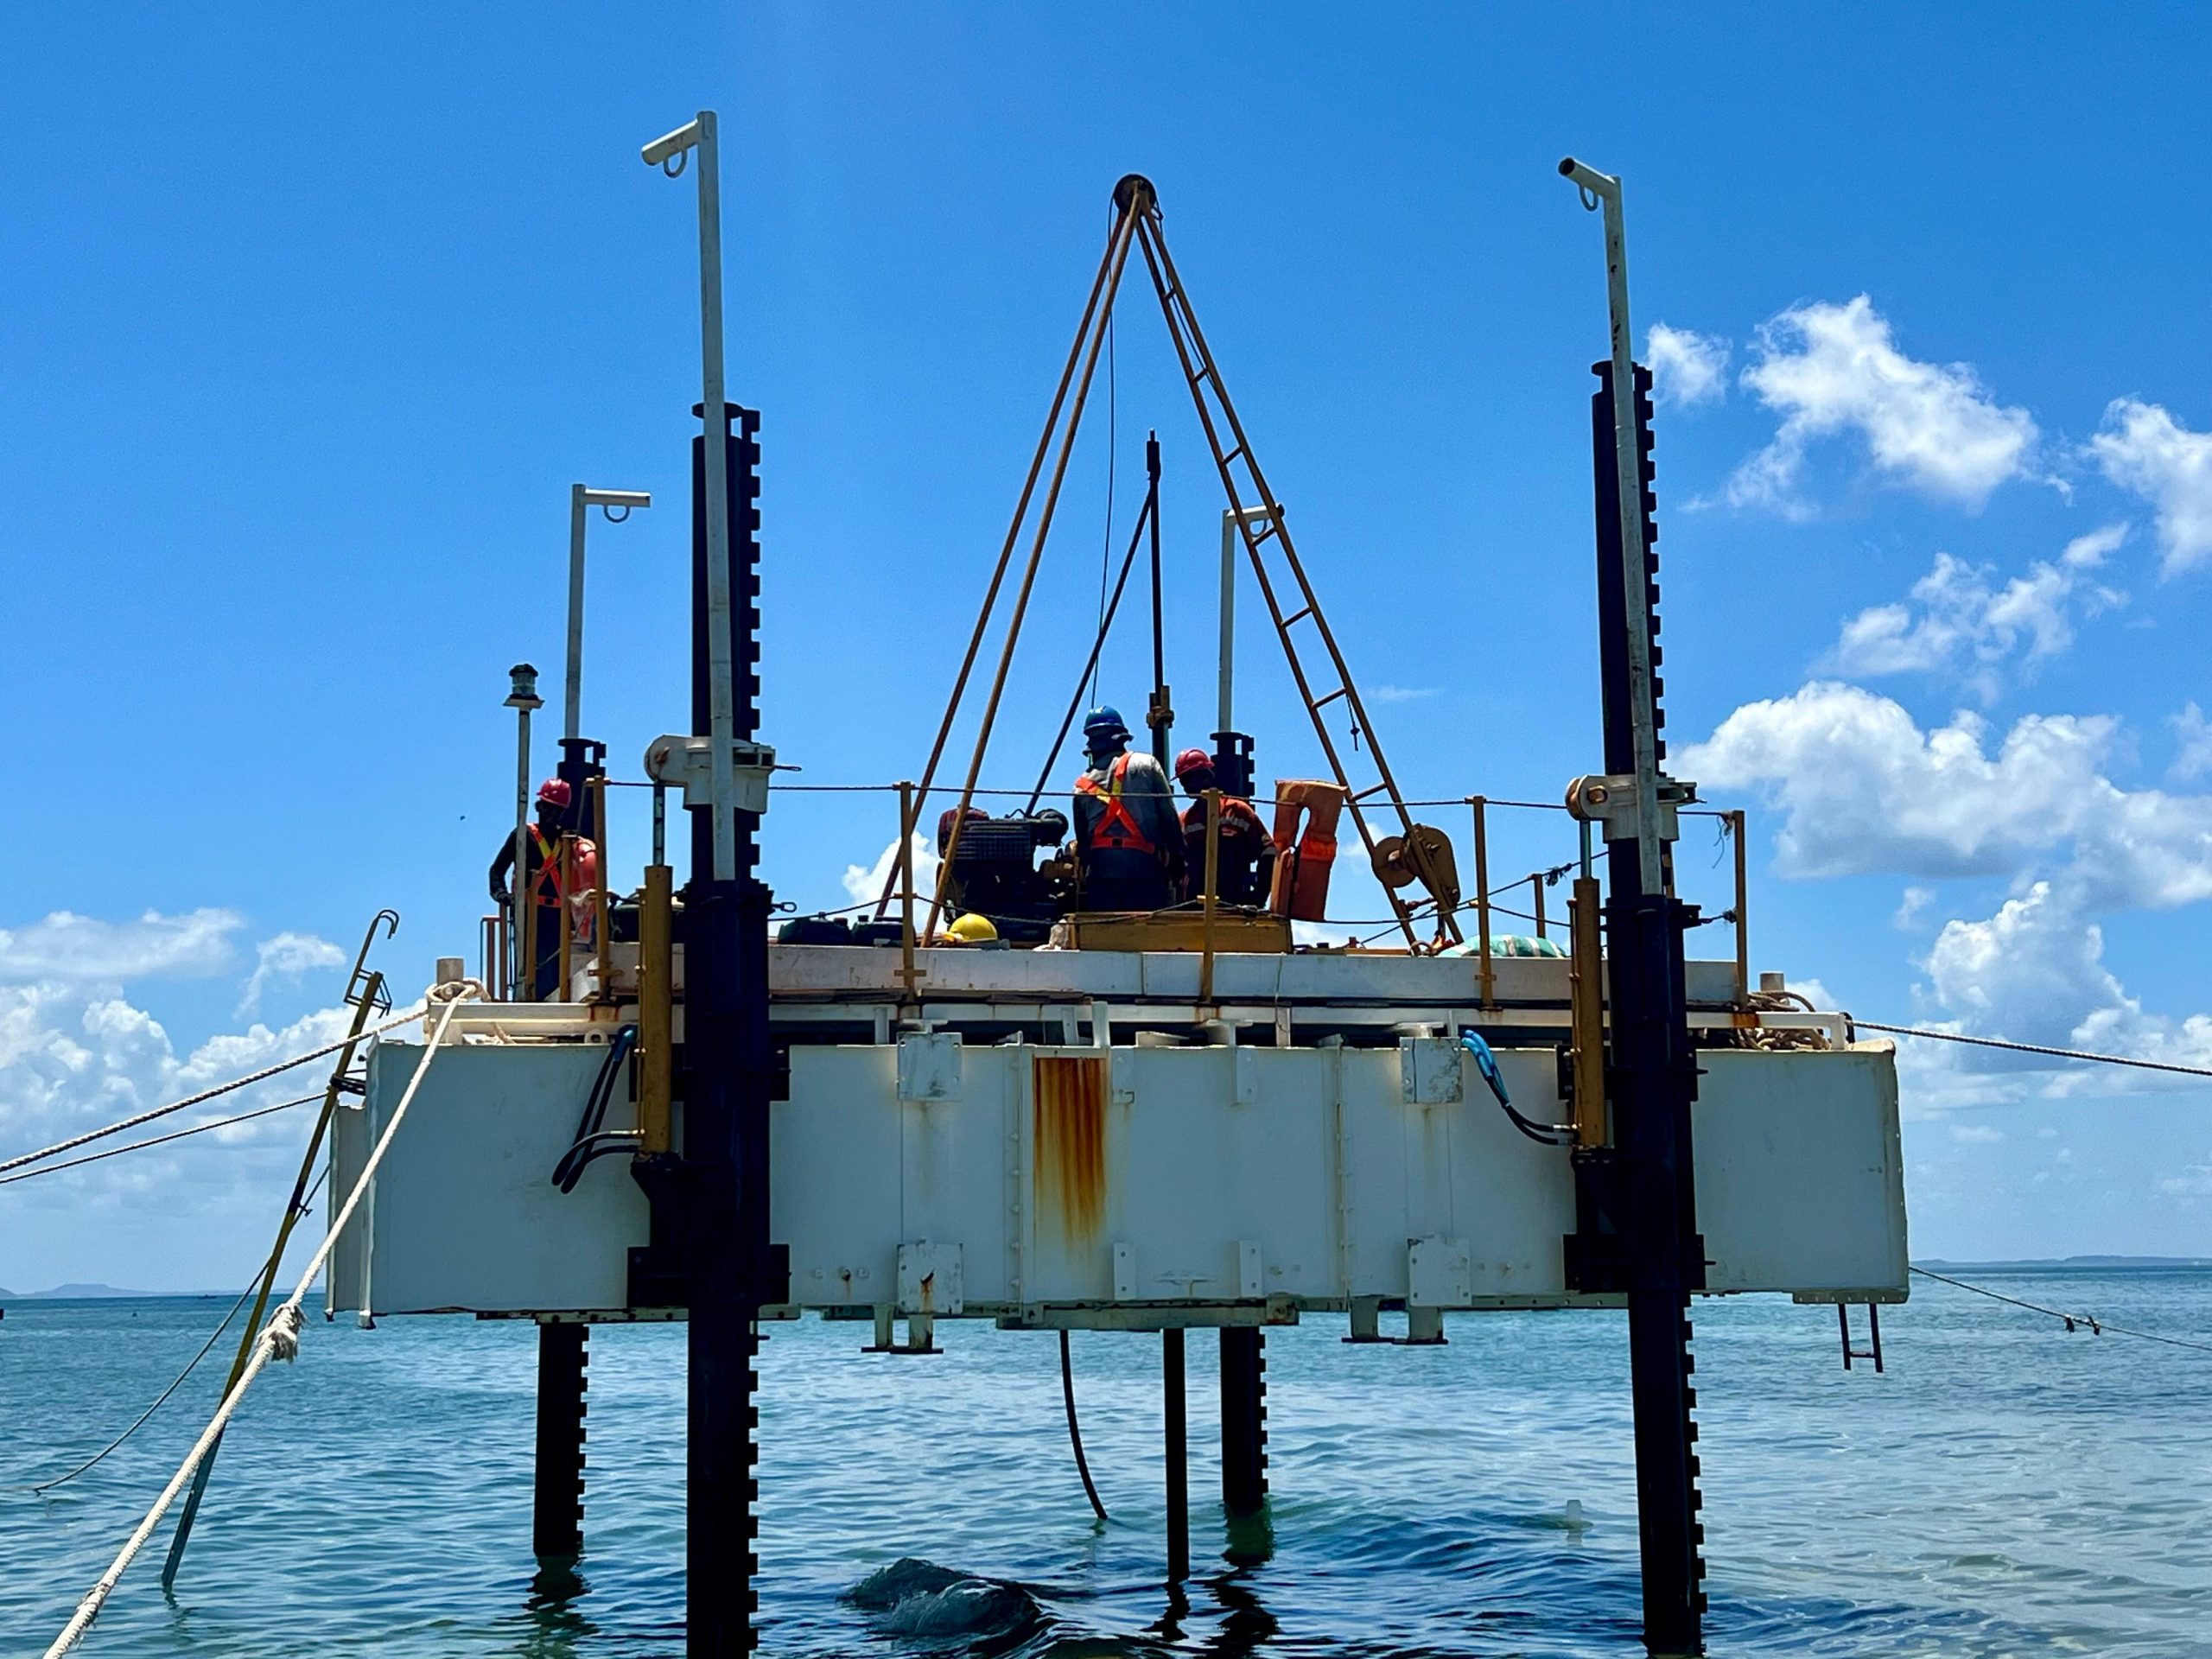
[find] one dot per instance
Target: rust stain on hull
(1069, 1142)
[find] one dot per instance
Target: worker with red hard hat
(545, 880)
(1244, 861)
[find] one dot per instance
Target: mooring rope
(280, 1337)
(206, 1094)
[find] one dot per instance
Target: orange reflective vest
(545, 885)
(1117, 827)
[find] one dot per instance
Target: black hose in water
(1074, 1429)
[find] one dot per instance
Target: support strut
(1091, 335)
(556, 1527)
(1177, 1439)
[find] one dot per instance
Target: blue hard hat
(1104, 721)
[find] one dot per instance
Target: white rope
(279, 1339)
(265, 1073)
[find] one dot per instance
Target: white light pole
(722, 722)
(582, 499)
(1230, 538)
(1599, 189)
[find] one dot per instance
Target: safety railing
(1485, 902)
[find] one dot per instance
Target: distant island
(84, 1294)
(2058, 1264)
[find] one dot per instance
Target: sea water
(2005, 1488)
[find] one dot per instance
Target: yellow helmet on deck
(972, 929)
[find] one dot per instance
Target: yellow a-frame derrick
(1416, 854)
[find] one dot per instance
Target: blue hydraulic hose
(1486, 1063)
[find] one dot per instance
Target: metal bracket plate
(929, 1066)
(1439, 1272)
(1429, 1071)
(930, 1278)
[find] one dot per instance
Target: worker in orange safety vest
(1129, 840)
(1244, 858)
(542, 879)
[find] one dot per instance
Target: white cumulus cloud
(1687, 368)
(2195, 1181)
(77, 1053)
(1831, 370)
(2143, 448)
(1916, 901)
(284, 959)
(74, 1056)
(865, 882)
(1958, 620)
(66, 946)
(2034, 972)
(1863, 789)
(2192, 744)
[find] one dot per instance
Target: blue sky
(305, 331)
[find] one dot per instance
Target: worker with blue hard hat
(1128, 839)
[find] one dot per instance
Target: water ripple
(2004, 1490)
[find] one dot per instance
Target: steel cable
(2097, 1327)
(206, 1094)
(2028, 1048)
(213, 1337)
(158, 1140)
(191, 1365)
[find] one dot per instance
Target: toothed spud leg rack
(1637, 1217)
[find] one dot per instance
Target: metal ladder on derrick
(1416, 852)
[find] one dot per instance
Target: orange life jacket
(1117, 827)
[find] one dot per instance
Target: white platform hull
(1196, 1185)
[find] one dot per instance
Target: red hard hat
(1192, 760)
(554, 792)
